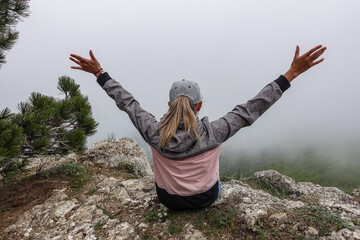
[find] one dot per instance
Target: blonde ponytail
(179, 109)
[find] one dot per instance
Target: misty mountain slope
(109, 193)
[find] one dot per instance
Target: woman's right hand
(304, 62)
(88, 65)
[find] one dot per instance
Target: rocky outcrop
(329, 197)
(119, 202)
(115, 153)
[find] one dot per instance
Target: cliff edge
(109, 193)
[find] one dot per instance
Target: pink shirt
(188, 176)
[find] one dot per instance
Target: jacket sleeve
(144, 122)
(246, 114)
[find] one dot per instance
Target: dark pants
(177, 203)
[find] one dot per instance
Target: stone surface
(343, 234)
(112, 206)
(111, 154)
(312, 231)
(356, 192)
(278, 217)
(277, 180)
(328, 197)
(193, 234)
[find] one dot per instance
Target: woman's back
(186, 154)
(187, 168)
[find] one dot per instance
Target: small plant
(5, 209)
(78, 176)
(91, 191)
(210, 221)
(322, 219)
(45, 174)
(111, 137)
(152, 216)
(71, 169)
(106, 212)
(128, 176)
(155, 216)
(126, 170)
(259, 184)
(146, 237)
(99, 224)
(225, 178)
(127, 167)
(223, 219)
(174, 229)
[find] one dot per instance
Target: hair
(179, 109)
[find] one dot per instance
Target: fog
(231, 48)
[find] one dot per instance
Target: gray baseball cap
(186, 88)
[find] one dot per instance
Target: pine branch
(11, 12)
(63, 143)
(62, 127)
(5, 114)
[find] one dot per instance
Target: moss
(91, 191)
(259, 184)
(321, 218)
(78, 176)
(106, 212)
(126, 167)
(99, 224)
(174, 229)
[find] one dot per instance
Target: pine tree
(11, 139)
(56, 126)
(11, 11)
(45, 125)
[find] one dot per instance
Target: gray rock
(111, 154)
(115, 207)
(356, 192)
(328, 197)
(257, 203)
(279, 217)
(311, 232)
(192, 233)
(343, 234)
(277, 180)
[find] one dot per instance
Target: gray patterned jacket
(212, 134)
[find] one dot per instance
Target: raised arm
(246, 114)
(144, 122)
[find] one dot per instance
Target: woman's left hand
(302, 63)
(88, 65)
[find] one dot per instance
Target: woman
(185, 148)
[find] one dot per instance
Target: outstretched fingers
(92, 55)
(304, 62)
(74, 60)
(74, 67)
(318, 53)
(77, 62)
(317, 62)
(88, 65)
(79, 58)
(311, 51)
(297, 51)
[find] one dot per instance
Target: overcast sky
(231, 48)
